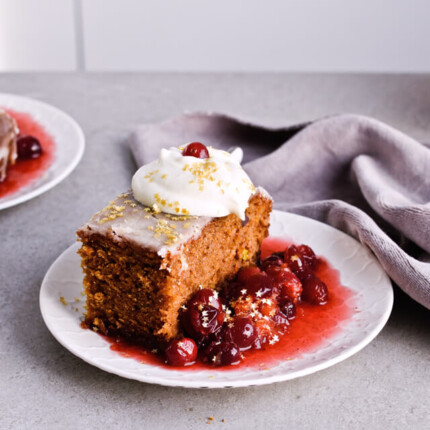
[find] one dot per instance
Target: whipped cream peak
(184, 185)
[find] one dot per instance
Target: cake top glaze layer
(125, 219)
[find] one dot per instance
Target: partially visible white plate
(359, 270)
(68, 137)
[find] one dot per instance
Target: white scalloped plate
(359, 270)
(68, 137)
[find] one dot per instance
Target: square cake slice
(141, 266)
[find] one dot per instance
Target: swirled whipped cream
(183, 185)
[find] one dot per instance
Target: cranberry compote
(196, 149)
(253, 311)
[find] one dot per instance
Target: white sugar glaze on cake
(125, 219)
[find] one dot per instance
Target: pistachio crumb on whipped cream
(185, 185)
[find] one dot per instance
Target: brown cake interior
(133, 292)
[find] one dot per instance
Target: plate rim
(213, 383)
(74, 161)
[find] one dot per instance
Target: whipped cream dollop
(183, 185)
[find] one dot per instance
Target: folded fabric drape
(352, 172)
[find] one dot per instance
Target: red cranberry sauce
(35, 158)
(270, 313)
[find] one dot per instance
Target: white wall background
(215, 35)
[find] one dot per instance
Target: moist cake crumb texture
(141, 265)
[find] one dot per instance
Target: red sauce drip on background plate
(312, 326)
(24, 172)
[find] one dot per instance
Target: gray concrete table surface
(43, 386)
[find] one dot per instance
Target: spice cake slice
(142, 265)
(8, 146)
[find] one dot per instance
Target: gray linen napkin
(352, 172)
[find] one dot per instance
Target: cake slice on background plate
(8, 147)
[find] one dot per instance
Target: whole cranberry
(188, 328)
(28, 148)
(205, 296)
(203, 314)
(222, 353)
(272, 260)
(296, 262)
(206, 320)
(314, 290)
(288, 308)
(288, 284)
(309, 257)
(246, 273)
(218, 336)
(181, 352)
(242, 332)
(196, 149)
(259, 286)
